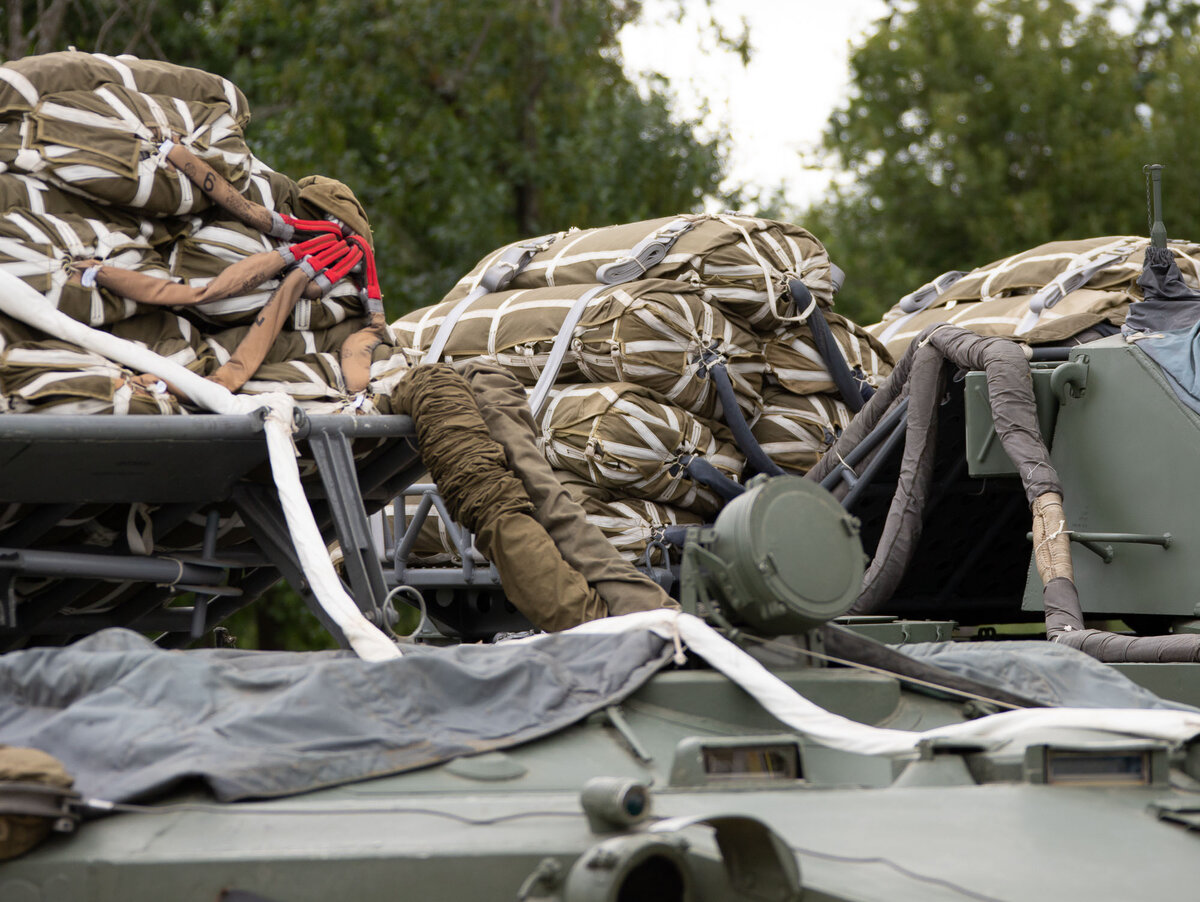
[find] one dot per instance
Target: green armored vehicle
(800, 726)
(783, 754)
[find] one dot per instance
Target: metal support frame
(260, 511)
(335, 464)
(467, 574)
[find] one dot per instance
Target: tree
(460, 126)
(978, 130)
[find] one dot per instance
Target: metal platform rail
(80, 494)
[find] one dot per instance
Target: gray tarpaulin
(1049, 673)
(1170, 317)
(130, 720)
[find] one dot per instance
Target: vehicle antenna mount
(1158, 231)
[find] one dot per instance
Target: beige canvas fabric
(744, 262)
(795, 430)
(322, 198)
(998, 299)
(41, 250)
(504, 407)
(792, 357)
(625, 438)
(653, 333)
(21, 832)
(24, 82)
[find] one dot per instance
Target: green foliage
(460, 126)
(278, 620)
(974, 131)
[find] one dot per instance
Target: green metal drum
(791, 558)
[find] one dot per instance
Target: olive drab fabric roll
(623, 437)
(657, 333)
(25, 82)
(41, 250)
(793, 361)
(1044, 295)
(796, 430)
(742, 261)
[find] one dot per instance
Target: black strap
(835, 363)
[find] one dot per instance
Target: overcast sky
(776, 107)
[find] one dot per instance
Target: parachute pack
(666, 361)
(134, 204)
(1045, 295)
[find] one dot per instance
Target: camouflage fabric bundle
(84, 123)
(39, 249)
(1043, 295)
(87, 180)
(793, 361)
(624, 438)
(795, 430)
(743, 262)
(655, 333)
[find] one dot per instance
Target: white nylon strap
(20, 84)
(495, 278)
(23, 303)
(558, 352)
(838, 732)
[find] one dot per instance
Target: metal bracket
(1070, 380)
(335, 463)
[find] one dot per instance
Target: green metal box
(985, 455)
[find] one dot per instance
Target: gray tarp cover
(1170, 314)
(130, 720)
(1048, 673)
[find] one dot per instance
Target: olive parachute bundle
(660, 334)
(128, 190)
(623, 437)
(1045, 295)
(742, 261)
(650, 349)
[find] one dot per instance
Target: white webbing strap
(838, 732)
(20, 84)
(495, 278)
(558, 351)
(23, 303)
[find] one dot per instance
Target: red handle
(312, 225)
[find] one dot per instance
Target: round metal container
(793, 556)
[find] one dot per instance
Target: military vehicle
(766, 743)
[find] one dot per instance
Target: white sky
(776, 107)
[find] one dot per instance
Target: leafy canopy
(461, 126)
(973, 131)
